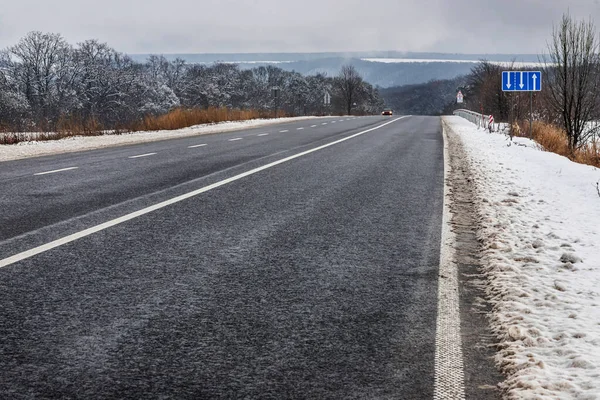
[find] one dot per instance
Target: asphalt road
(313, 278)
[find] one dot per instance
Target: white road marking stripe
(313, 126)
(197, 145)
(333, 122)
(299, 129)
(56, 170)
(263, 134)
(449, 368)
(283, 131)
(235, 139)
(143, 155)
(94, 229)
(324, 123)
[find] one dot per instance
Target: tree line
(46, 83)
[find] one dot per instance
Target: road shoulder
(481, 378)
(22, 150)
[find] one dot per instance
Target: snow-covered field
(78, 143)
(540, 230)
(425, 60)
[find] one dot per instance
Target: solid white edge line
(54, 171)
(143, 155)
(449, 367)
(197, 145)
(86, 232)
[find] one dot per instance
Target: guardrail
(481, 120)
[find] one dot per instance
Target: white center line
(285, 130)
(333, 122)
(143, 155)
(56, 170)
(263, 134)
(97, 228)
(197, 145)
(234, 139)
(313, 126)
(341, 120)
(324, 123)
(299, 129)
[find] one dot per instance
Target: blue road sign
(521, 81)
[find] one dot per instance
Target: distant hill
(390, 68)
(383, 74)
(253, 57)
(431, 98)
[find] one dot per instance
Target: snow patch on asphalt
(540, 230)
(81, 143)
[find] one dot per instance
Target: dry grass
(175, 119)
(554, 139)
(183, 118)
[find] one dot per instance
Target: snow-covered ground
(540, 230)
(79, 143)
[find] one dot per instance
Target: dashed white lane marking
(283, 131)
(197, 145)
(55, 171)
(449, 368)
(313, 126)
(299, 129)
(324, 123)
(143, 155)
(262, 134)
(235, 139)
(86, 232)
(333, 122)
(341, 120)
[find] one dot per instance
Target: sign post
(275, 91)
(523, 81)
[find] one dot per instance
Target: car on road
(387, 112)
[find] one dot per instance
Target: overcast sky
(225, 26)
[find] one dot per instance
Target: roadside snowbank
(79, 143)
(540, 231)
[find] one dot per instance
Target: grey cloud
(467, 26)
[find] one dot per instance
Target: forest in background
(47, 84)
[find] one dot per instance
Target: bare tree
(349, 83)
(573, 78)
(46, 72)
